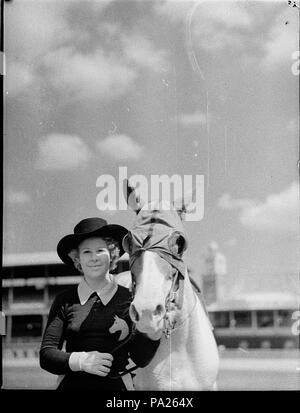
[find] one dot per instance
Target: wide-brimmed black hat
(88, 228)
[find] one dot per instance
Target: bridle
(173, 299)
(175, 295)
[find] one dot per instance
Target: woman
(92, 318)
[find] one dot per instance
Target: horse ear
(182, 203)
(132, 198)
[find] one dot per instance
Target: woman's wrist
(76, 359)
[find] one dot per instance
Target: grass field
(261, 370)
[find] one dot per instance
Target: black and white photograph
(150, 198)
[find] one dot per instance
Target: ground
(239, 370)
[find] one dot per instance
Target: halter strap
(176, 327)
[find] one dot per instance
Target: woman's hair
(114, 252)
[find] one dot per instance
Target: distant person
(92, 318)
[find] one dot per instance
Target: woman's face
(94, 258)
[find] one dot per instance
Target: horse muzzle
(148, 321)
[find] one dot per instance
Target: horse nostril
(159, 310)
(134, 315)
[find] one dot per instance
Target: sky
(160, 88)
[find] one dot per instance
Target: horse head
(155, 244)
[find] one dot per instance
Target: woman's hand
(97, 363)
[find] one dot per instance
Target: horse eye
(127, 243)
(177, 243)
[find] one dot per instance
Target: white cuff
(75, 360)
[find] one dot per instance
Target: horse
(165, 306)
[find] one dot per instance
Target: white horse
(165, 306)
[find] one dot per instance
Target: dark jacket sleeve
(142, 349)
(52, 357)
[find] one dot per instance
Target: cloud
(230, 14)
(46, 46)
(37, 38)
(226, 202)
(103, 74)
(120, 147)
(216, 26)
(173, 10)
(279, 212)
(95, 75)
(192, 119)
(31, 29)
(141, 51)
(99, 6)
(34, 27)
(16, 197)
(19, 77)
(62, 152)
(211, 25)
(282, 40)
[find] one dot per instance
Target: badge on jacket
(119, 325)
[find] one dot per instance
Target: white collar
(105, 294)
